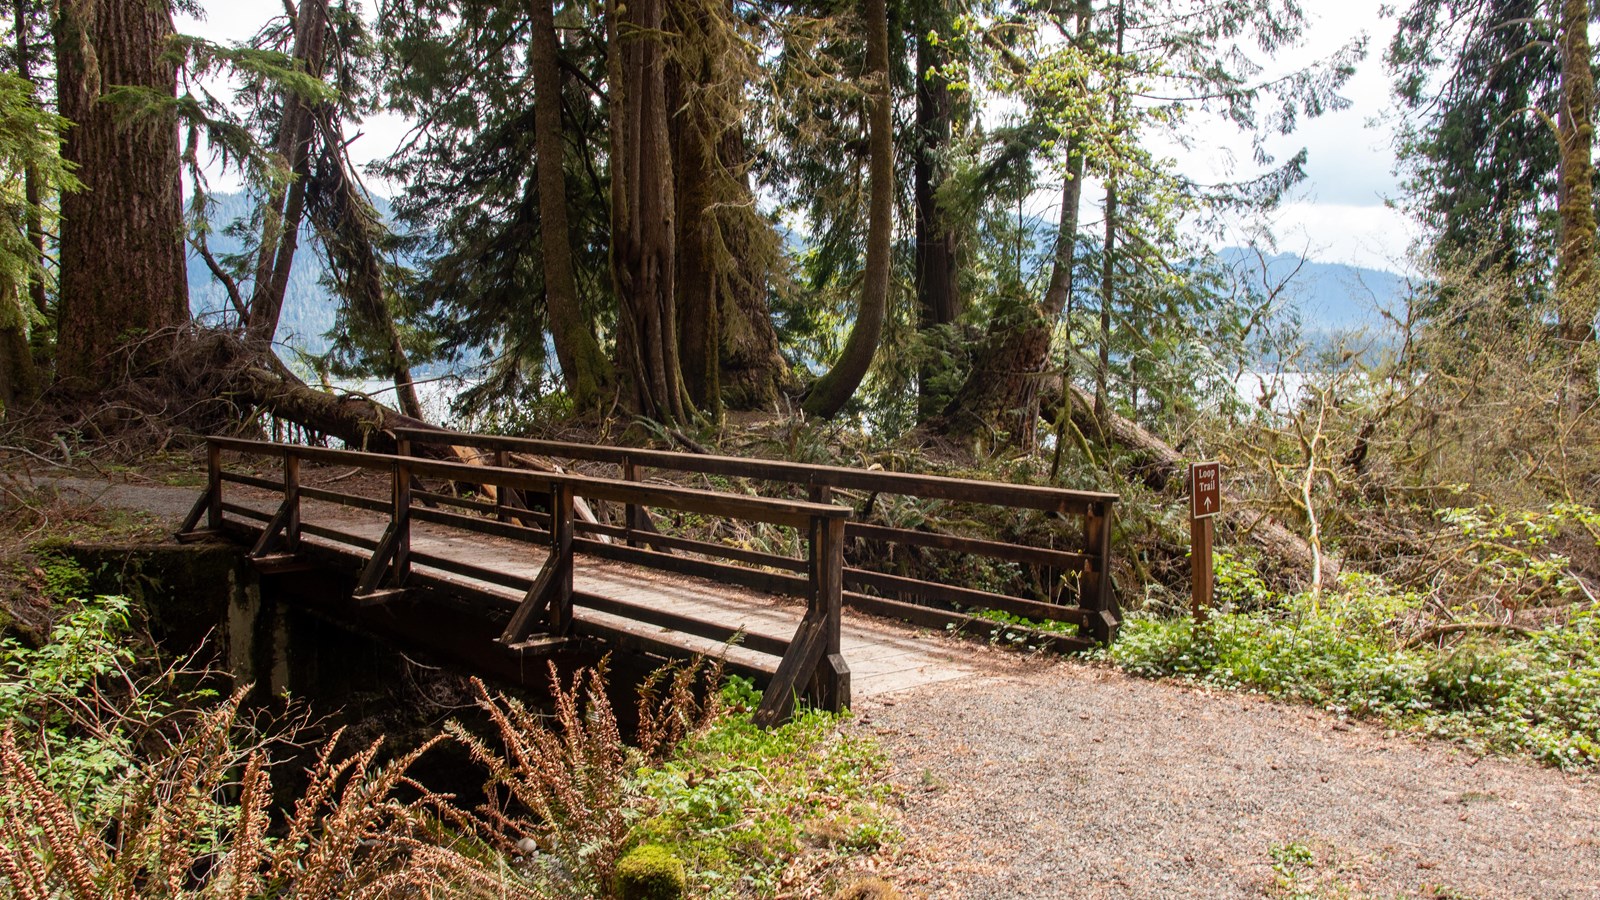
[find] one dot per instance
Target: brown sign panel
(1205, 489)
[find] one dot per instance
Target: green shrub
(50, 697)
(1539, 695)
(650, 872)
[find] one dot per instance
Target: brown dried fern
(177, 834)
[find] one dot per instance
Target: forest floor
(1043, 777)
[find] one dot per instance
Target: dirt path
(167, 502)
(1066, 780)
(1044, 778)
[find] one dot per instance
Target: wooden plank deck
(883, 657)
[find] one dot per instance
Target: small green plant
(1017, 630)
(1292, 863)
(1238, 585)
(739, 802)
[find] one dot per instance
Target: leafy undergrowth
(1536, 694)
(112, 783)
(756, 811)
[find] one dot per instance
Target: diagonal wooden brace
(192, 520)
(804, 654)
(382, 556)
(535, 602)
(272, 535)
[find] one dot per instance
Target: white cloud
(1377, 237)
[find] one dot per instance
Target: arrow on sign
(1208, 504)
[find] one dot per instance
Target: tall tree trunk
(1002, 389)
(753, 371)
(284, 207)
(833, 390)
(122, 252)
(696, 167)
(1577, 280)
(1108, 261)
(1108, 289)
(31, 189)
(584, 368)
(19, 377)
(726, 249)
(643, 232)
(938, 302)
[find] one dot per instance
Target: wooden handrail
(933, 487)
(1098, 614)
(770, 510)
(812, 661)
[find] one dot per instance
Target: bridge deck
(884, 657)
(705, 570)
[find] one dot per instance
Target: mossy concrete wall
(188, 591)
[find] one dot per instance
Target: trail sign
(1205, 489)
(1205, 501)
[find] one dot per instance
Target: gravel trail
(1058, 779)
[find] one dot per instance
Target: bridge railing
(1073, 581)
(810, 660)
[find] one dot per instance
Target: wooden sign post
(1205, 501)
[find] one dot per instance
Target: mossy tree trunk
(122, 257)
(643, 215)
(1577, 279)
(727, 250)
(1000, 395)
(938, 295)
(754, 373)
(834, 389)
(584, 368)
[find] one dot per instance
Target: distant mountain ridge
(1330, 297)
(308, 304)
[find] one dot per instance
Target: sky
(1339, 214)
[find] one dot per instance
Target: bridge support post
(502, 459)
(291, 500)
(830, 683)
(1096, 595)
(560, 602)
(213, 486)
(631, 512)
(402, 514)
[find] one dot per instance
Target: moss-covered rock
(650, 872)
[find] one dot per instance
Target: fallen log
(1157, 465)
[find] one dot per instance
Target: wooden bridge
(654, 566)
